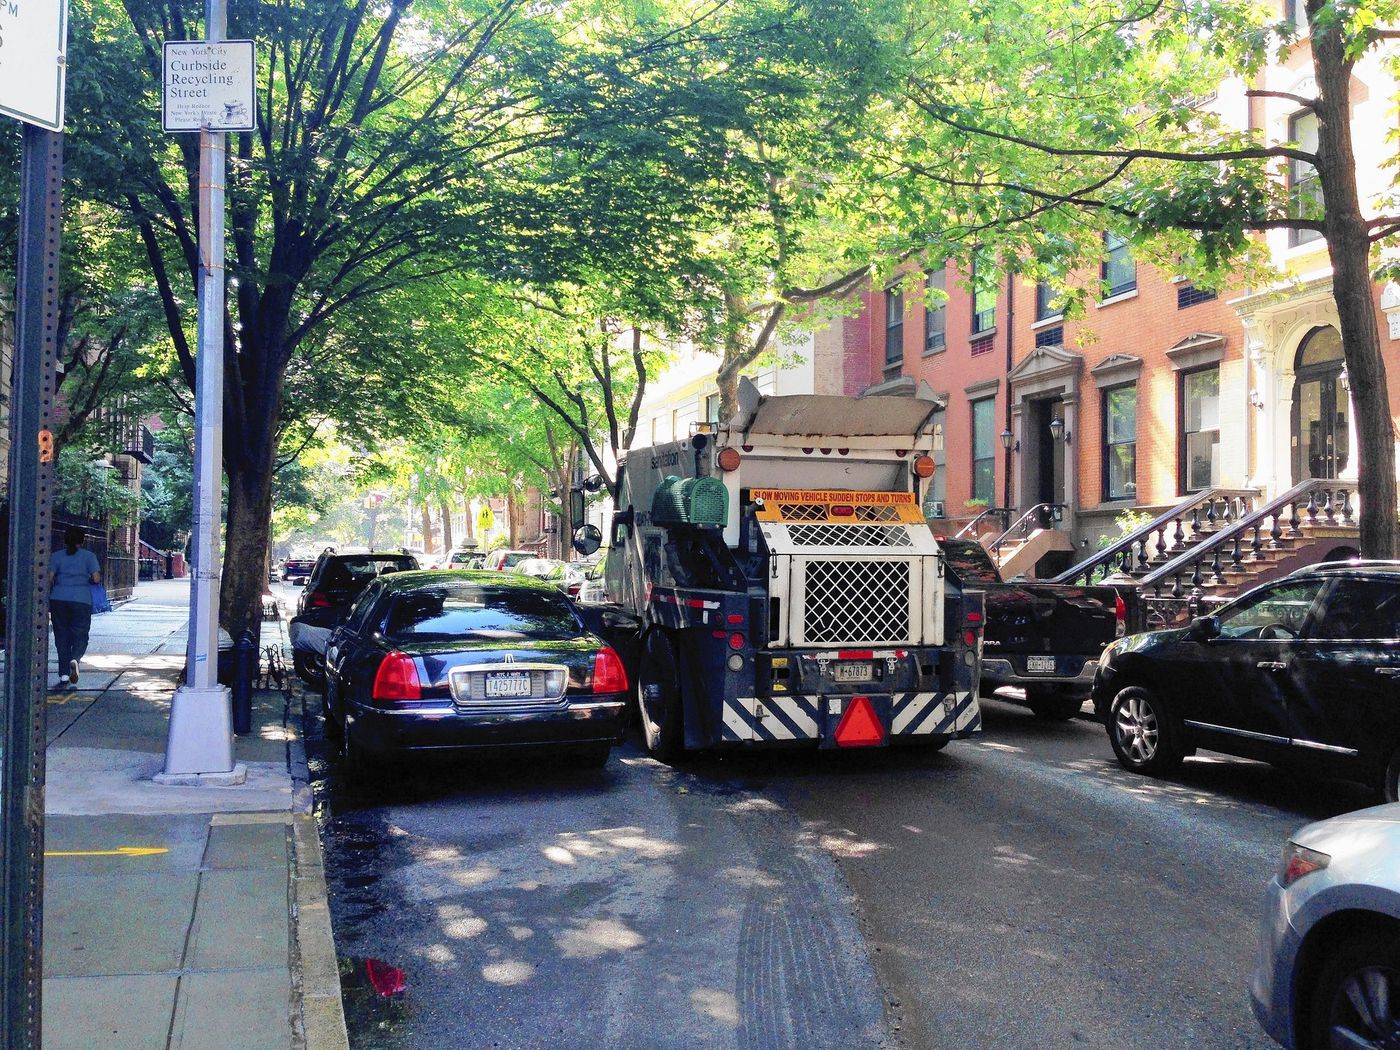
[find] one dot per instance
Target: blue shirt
(73, 575)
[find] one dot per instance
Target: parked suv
(1303, 670)
(336, 581)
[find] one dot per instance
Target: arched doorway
(1320, 407)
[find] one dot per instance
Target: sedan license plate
(853, 671)
(510, 683)
(1042, 664)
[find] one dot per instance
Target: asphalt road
(1016, 891)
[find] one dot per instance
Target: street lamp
(1058, 431)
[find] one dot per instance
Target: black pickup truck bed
(1044, 638)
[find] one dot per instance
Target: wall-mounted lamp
(1256, 399)
(1006, 439)
(1058, 431)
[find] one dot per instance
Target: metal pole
(33, 385)
(200, 742)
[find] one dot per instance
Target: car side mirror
(576, 509)
(1204, 628)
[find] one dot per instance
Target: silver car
(1328, 973)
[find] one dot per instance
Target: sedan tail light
(1120, 614)
(397, 678)
(609, 676)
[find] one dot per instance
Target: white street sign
(33, 39)
(207, 85)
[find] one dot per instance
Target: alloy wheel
(1364, 1011)
(1137, 729)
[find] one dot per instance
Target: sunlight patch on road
(512, 971)
(460, 923)
(720, 1006)
(475, 876)
(440, 954)
(596, 937)
(745, 876)
(559, 855)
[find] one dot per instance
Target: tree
(1022, 124)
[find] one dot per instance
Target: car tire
(662, 719)
(1053, 705)
(1143, 733)
(334, 728)
(1347, 981)
(309, 669)
(1390, 784)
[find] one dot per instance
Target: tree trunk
(249, 519)
(446, 525)
(426, 519)
(1348, 244)
(467, 517)
(513, 518)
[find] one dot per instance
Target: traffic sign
(33, 43)
(485, 519)
(208, 85)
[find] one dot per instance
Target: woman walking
(72, 572)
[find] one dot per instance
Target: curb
(315, 973)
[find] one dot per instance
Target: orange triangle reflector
(859, 726)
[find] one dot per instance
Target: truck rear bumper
(814, 718)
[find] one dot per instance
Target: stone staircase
(1022, 543)
(1216, 544)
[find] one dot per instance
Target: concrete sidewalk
(178, 917)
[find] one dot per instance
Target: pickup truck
(1043, 638)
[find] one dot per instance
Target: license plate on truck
(512, 683)
(853, 671)
(1041, 664)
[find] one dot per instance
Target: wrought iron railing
(973, 528)
(1136, 553)
(1311, 502)
(1041, 516)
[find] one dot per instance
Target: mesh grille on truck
(849, 535)
(856, 601)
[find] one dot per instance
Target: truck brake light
(924, 466)
(728, 459)
(843, 510)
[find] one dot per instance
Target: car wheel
(309, 668)
(1390, 785)
(334, 727)
(1142, 733)
(1355, 1000)
(659, 699)
(1053, 705)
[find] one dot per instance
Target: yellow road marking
(120, 851)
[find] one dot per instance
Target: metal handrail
(1043, 513)
(1129, 554)
(1335, 508)
(969, 530)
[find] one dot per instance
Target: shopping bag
(100, 604)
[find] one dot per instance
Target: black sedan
(1304, 671)
(453, 661)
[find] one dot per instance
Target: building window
(711, 408)
(936, 312)
(1120, 442)
(894, 326)
(1304, 190)
(935, 494)
(984, 454)
(1051, 336)
(1199, 454)
(1119, 272)
(1190, 295)
(984, 294)
(1046, 303)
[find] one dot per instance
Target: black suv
(338, 578)
(1303, 670)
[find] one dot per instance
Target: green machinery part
(690, 501)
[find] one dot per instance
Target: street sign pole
(33, 385)
(199, 745)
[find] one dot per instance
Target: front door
(1048, 485)
(1320, 407)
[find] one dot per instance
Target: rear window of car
(359, 571)
(480, 610)
(510, 561)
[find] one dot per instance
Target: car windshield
(480, 610)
